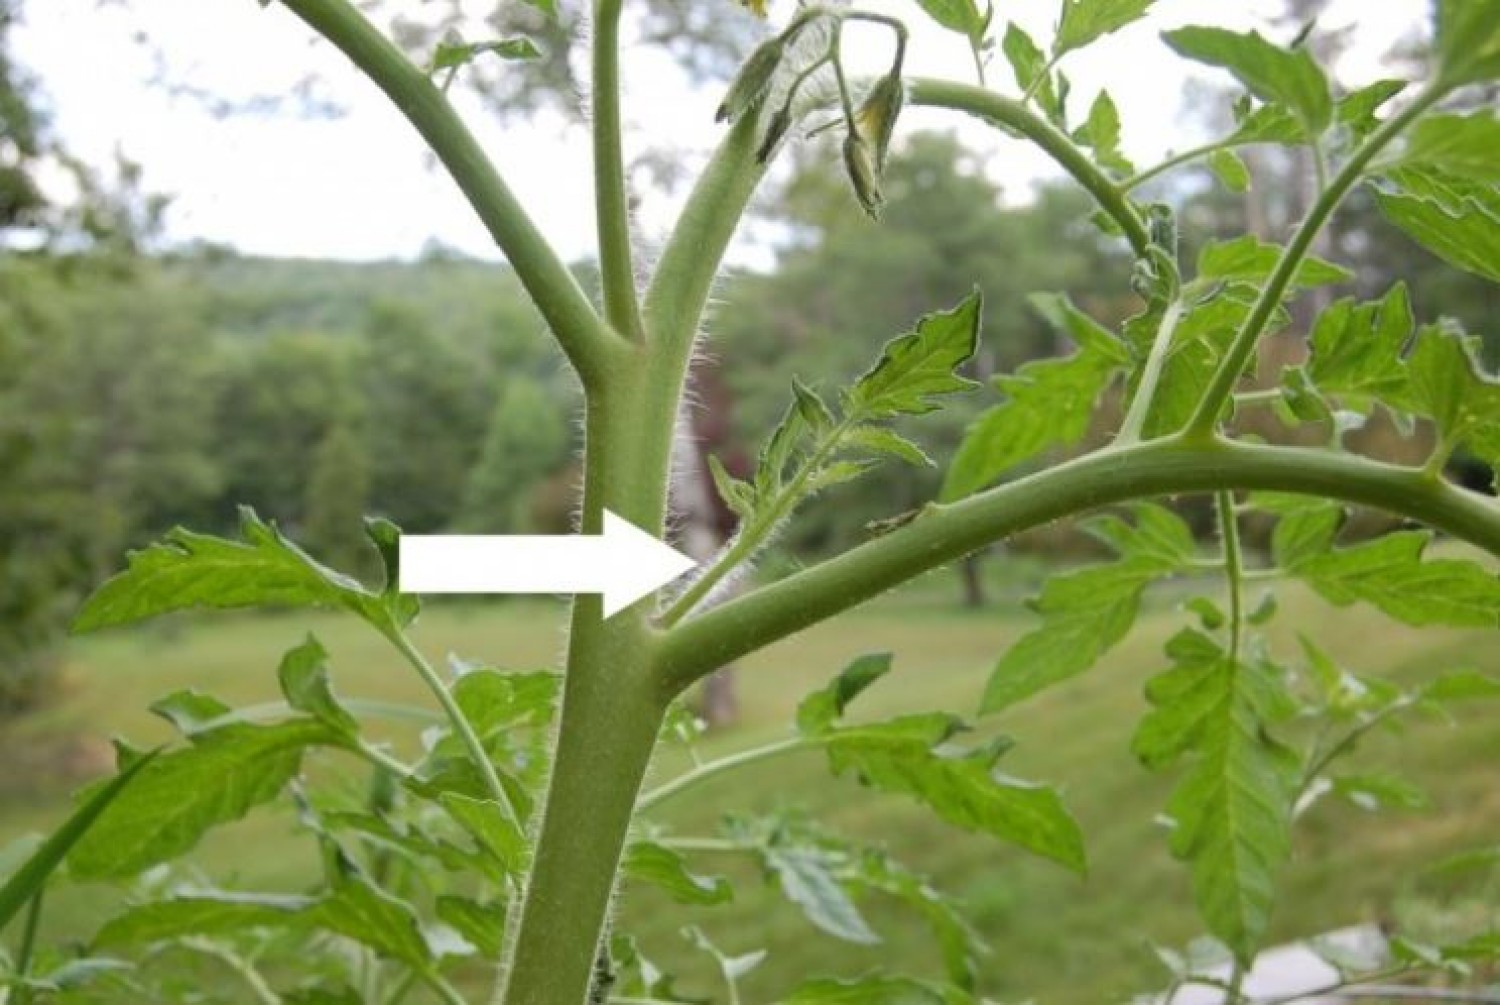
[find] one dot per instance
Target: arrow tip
(636, 563)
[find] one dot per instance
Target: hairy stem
(613, 705)
(944, 533)
(585, 338)
(1015, 115)
(753, 536)
(1206, 415)
(611, 204)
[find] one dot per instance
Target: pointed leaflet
(1029, 64)
(1101, 132)
(1468, 40)
(1286, 77)
(187, 570)
(179, 796)
(1230, 170)
(806, 878)
(1356, 350)
(649, 862)
(822, 708)
(916, 367)
(1463, 146)
(1232, 808)
(1050, 403)
(361, 911)
(962, 16)
(1085, 613)
(305, 685)
(909, 755)
(1449, 386)
(27, 881)
(1084, 22)
(1389, 573)
(1455, 218)
(493, 831)
(880, 440)
(1248, 259)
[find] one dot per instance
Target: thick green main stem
(1157, 468)
(612, 709)
(588, 342)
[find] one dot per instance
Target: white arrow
(624, 563)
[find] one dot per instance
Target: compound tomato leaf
(181, 795)
(1232, 808)
(186, 570)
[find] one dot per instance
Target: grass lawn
(1057, 938)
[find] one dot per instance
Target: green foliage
(1084, 22)
(1085, 613)
(1451, 216)
(184, 793)
(489, 823)
(27, 881)
(1049, 402)
(1232, 810)
(913, 755)
(1289, 78)
(188, 570)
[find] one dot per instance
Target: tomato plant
(512, 832)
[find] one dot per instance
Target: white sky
(359, 187)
